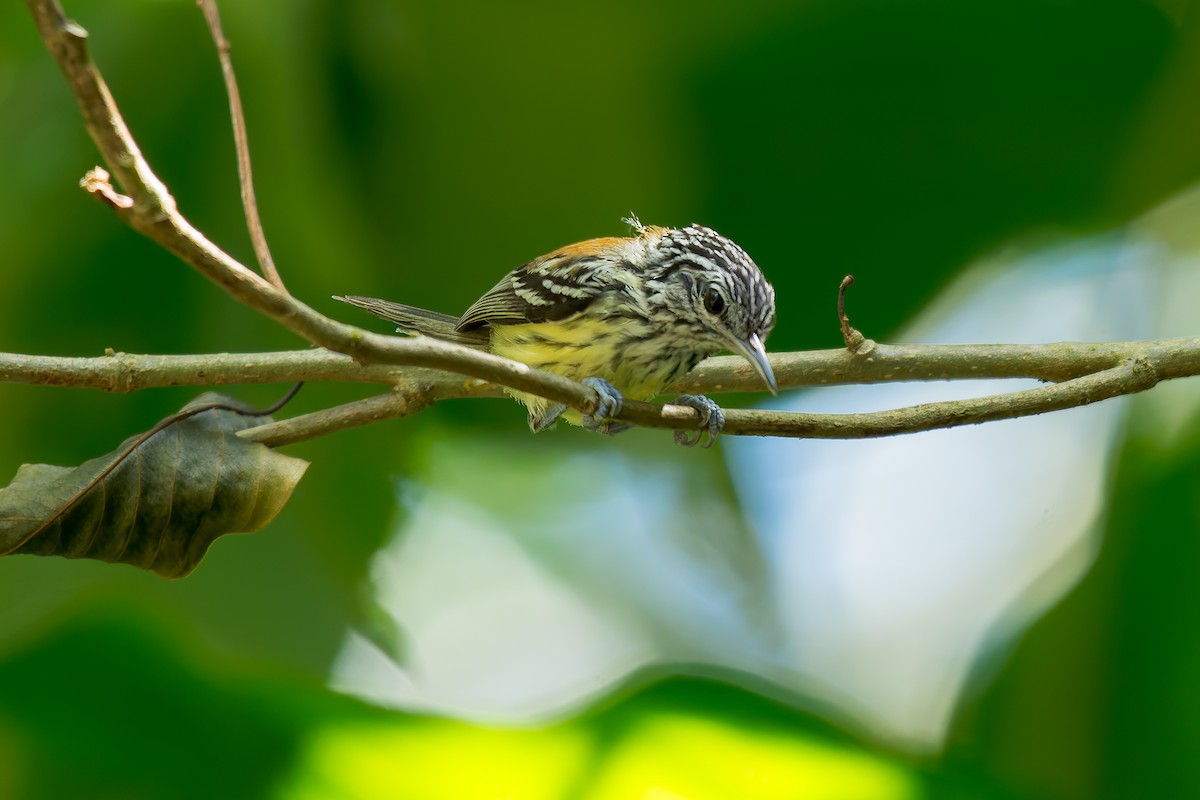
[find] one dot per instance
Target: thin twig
(67, 42)
(400, 403)
(854, 340)
(241, 141)
(1134, 376)
(165, 225)
(278, 404)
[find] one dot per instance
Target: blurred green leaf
(159, 500)
(1100, 700)
(1149, 746)
(173, 722)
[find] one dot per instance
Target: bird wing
(551, 288)
(417, 320)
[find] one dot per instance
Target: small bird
(627, 316)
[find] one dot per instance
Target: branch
(121, 373)
(1084, 373)
(850, 335)
(148, 208)
(242, 144)
(1134, 375)
(400, 403)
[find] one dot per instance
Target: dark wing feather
(499, 305)
(418, 320)
(549, 289)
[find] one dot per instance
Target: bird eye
(714, 301)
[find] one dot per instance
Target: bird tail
(419, 320)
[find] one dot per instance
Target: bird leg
(712, 419)
(547, 419)
(608, 407)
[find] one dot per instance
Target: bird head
(711, 293)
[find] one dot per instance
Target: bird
(628, 316)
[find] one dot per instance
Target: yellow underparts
(577, 349)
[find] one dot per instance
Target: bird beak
(752, 350)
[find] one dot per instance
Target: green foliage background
(417, 150)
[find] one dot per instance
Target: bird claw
(712, 419)
(609, 406)
(547, 419)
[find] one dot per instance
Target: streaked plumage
(638, 312)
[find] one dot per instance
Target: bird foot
(547, 419)
(712, 419)
(608, 407)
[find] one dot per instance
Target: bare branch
(1086, 372)
(400, 403)
(128, 372)
(851, 336)
(67, 42)
(163, 223)
(1134, 376)
(121, 373)
(241, 143)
